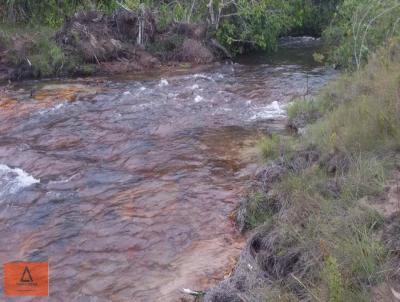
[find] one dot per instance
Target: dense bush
(255, 25)
(351, 28)
(259, 24)
(311, 16)
(238, 24)
(358, 27)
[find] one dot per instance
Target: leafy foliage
(258, 24)
(238, 24)
(358, 28)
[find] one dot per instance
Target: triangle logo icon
(26, 276)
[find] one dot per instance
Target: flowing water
(126, 185)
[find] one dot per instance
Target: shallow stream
(127, 184)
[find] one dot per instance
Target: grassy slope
(320, 209)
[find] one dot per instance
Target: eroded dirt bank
(94, 43)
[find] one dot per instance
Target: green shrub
(269, 146)
(260, 209)
(334, 280)
(255, 25)
(363, 256)
(307, 110)
(311, 17)
(366, 177)
(33, 47)
(358, 28)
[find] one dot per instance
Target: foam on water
(273, 110)
(163, 83)
(14, 179)
(198, 99)
(202, 76)
(53, 109)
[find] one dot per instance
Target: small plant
(318, 57)
(307, 109)
(33, 49)
(269, 146)
(363, 256)
(366, 176)
(260, 209)
(334, 280)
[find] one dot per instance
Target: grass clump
(302, 107)
(269, 145)
(32, 50)
(260, 209)
(302, 112)
(364, 255)
(273, 146)
(366, 176)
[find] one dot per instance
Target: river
(127, 184)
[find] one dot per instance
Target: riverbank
(95, 43)
(324, 213)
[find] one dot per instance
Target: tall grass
(361, 111)
(48, 12)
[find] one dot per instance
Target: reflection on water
(126, 185)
